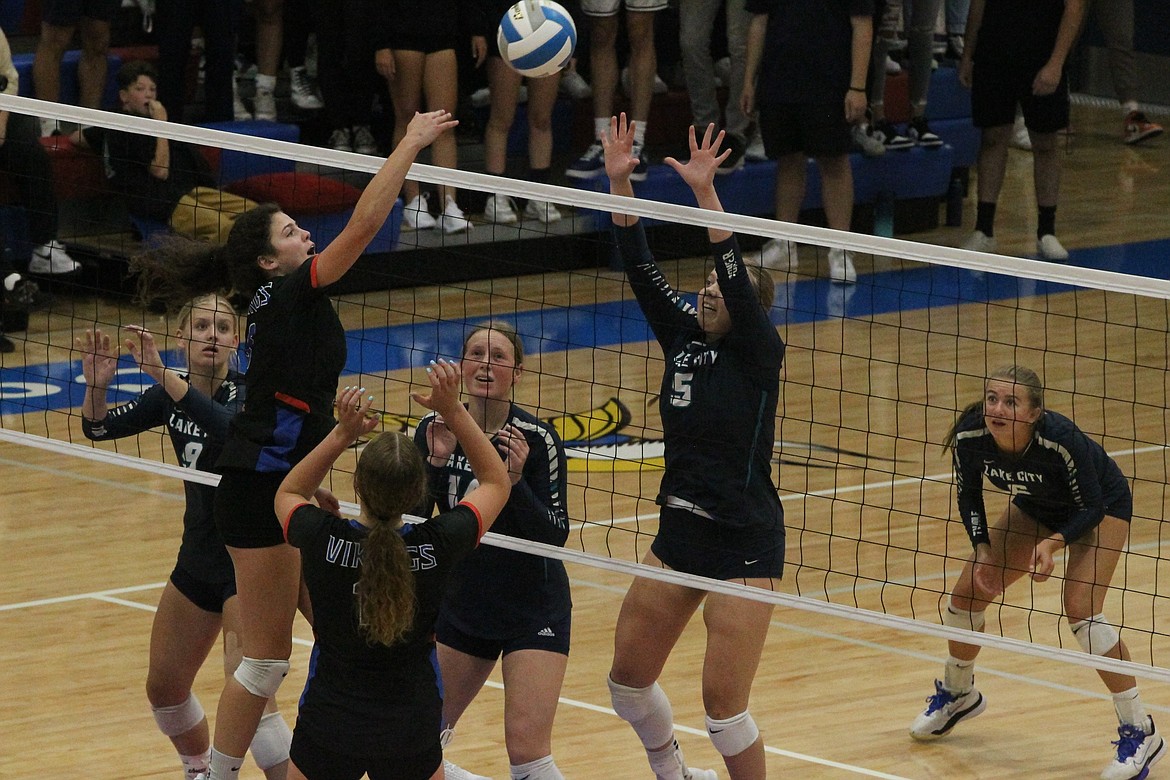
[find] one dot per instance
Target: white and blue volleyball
(537, 37)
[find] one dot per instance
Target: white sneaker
(453, 218)
(701, 774)
(51, 258)
(481, 97)
(48, 127)
(341, 140)
(265, 105)
(500, 209)
(455, 772)
(303, 91)
(945, 710)
(1137, 750)
(864, 139)
(1050, 248)
(416, 216)
(363, 140)
(240, 112)
(722, 68)
(779, 255)
(755, 149)
(1020, 137)
(542, 211)
(979, 241)
(574, 85)
(841, 268)
(893, 68)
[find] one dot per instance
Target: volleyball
(536, 37)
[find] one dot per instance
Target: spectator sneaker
(1137, 128)
(734, 161)
(542, 211)
(920, 133)
(240, 112)
(955, 45)
(945, 710)
(893, 67)
(641, 169)
(660, 87)
(841, 268)
(779, 255)
(481, 98)
(499, 210)
(51, 258)
(363, 140)
(453, 218)
(1049, 248)
(574, 85)
(866, 141)
(265, 105)
(303, 91)
(979, 241)
(341, 140)
(755, 149)
(589, 165)
(890, 137)
(453, 771)
(416, 215)
(1021, 138)
(1137, 750)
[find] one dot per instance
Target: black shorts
(553, 638)
(818, 130)
(698, 545)
(1118, 503)
(244, 512)
(998, 87)
(208, 596)
(317, 762)
(67, 13)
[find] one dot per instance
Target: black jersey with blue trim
(364, 698)
(1064, 479)
(296, 351)
(718, 400)
(497, 593)
(197, 426)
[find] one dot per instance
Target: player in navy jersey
(296, 350)
(372, 703)
(198, 600)
(1066, 493)
(504, 602)
(720, 513)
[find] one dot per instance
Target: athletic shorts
(67, 13)
(698, 545)
(1118, 503)
(611, 7)
(553, 638)
(997, 88)
(427, 43)
(208, 596)
(244, 513)
(318, 762)
(818, 130)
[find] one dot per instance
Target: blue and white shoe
(1137, 750)
(945, 710)
(590, 165)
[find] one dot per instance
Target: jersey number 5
(680, 394)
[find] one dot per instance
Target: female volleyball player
(503, 602)
(372, 702)
(296, 348)
(721, 516)
(1066, 493)
(199, 599)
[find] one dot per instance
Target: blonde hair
(1017, 375)
(214, 302)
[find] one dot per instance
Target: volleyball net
(874, 376)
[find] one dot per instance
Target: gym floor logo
(601, 440)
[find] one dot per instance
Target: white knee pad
(272, 740)
(733, 735)
(1096, 635)
(261, 677)
(963, 618)
(179, 719)
(646, 709)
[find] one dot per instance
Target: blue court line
(37, 388)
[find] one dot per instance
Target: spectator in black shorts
(1015, 55)
(59, 20)
(806, 68)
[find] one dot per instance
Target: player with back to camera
(199, 599)
(372, 702)
(296, 348)
(504, 602)
(720, 513)
(1066, 493)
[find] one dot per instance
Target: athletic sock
(985, 218)
(959, 675)
(1130, 708)
(1046, 224)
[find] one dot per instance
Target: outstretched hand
(699, 171)
(145, 352)
(99, 358)
(618, 144)
(353, 412)
(444, 395)
(425, 128)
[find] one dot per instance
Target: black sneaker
(920, 133)
(6, 344)
(28, 295)
(890, 137)
(733, 161)
(591, 164)
(641, 169)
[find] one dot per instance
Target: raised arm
(620, 163)
(99, 364)
(378, 197)
(699, 173)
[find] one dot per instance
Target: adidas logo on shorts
(546, 631)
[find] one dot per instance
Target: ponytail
(385, 588)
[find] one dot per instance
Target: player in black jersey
(721, 515)
(504, 602)
(199, 598)
(372, 703)
(296, 351)
(1066, 493)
